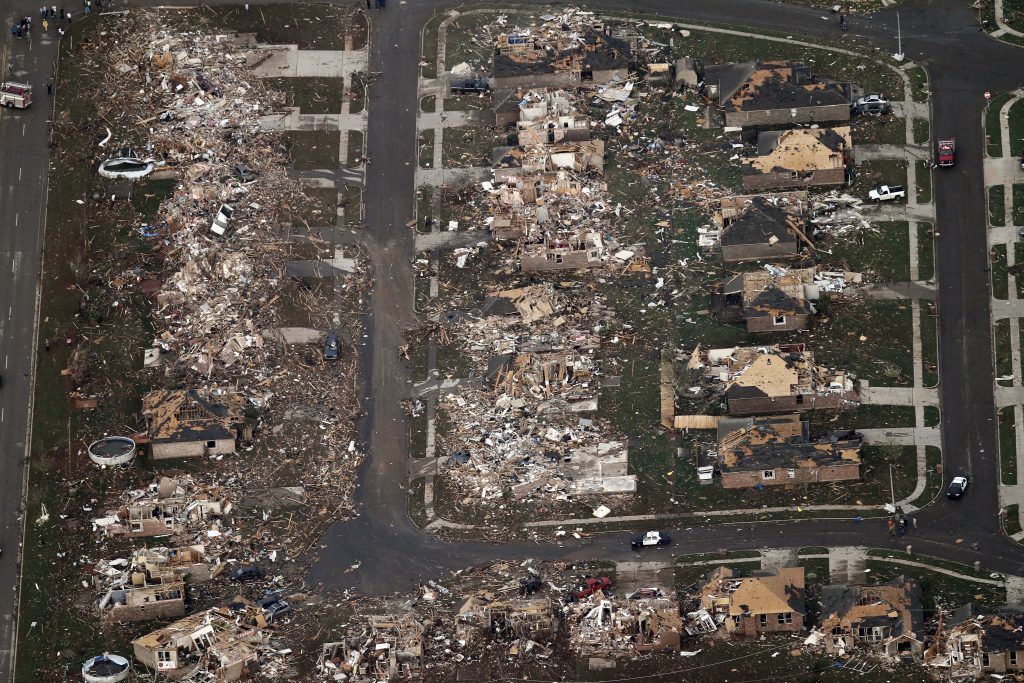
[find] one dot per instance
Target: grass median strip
(997, 205)
(1007, 447)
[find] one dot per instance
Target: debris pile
(525, 430)
(644, 621)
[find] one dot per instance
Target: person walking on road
(46, 26)
(49, 91)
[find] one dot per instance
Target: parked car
(957, 487)
(246, 573)
(650, 538)
(470, 86)
(272, 605)
(886, 192)
(872, 104)
(331, 347)
(591, 586)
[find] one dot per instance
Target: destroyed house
(143, 602)
(548, 117)
(165, 509)
(775, 93)
(568, 60)
(397, 652)
(523, 205)
(614, 626)
(532, 618)
(584, 249)
(756, 451)
(182, 424)
(579, 157)
(798, 158)
(766, 301)
(775, 379)
(885, 618)
(187, 563)
(979, 645)
(218, 642)
(762, 226)
(768, 602)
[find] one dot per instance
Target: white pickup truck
(885, 192)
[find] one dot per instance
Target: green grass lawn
(468, 146)
(921, 131)
(882, 255)
(871, 174)
(428, 46)
(929, 343)
(1018, 204)
(426, 147)
(1000, 276)
(879, 130)
(883, 356)
(313, 149)
(1018, 261)
(918, 83)
(993, 130)
(1003, 359)
(313, 95)
(937, 590)
(997, 205)
(1015, 120)
(924, 182)
(1007, 447)
(428, 104)
(1011, 522)
(925, 252)
(932, 416)
(312, 27)
(933, 474)
(355, 148)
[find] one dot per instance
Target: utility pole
(899, 40)
(892, 489)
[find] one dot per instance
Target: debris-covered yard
(188, 289)
(639, 233)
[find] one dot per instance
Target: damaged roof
(775, 85)
(749, 443)
(593, 50)
(775, 592)
(801, 149)
(896, 603)
(175, 415)
(757, 220)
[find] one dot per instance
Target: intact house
(771, 601)
(884, 618)
(219, 642)
(978, 644)
(183, 424)
(776, 300)
(567, 60)
(773, 450)
(756, 227)
(781, 378)
(798, 158)
(775, 93)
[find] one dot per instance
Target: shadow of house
(183, 424)
(799, 158)
(776, 450)
(886, 619)
(775, 93)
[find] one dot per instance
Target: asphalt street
(390, 553)
(23, 173)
